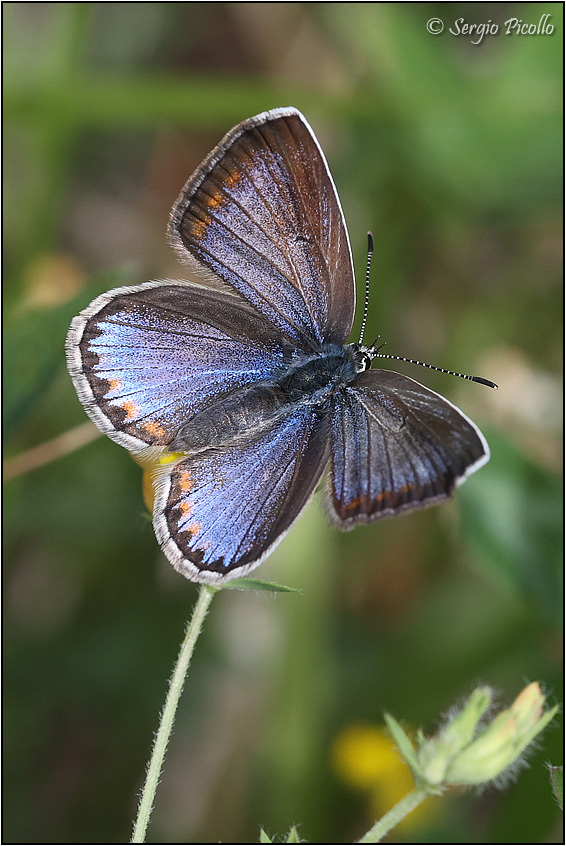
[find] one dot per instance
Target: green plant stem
(168, 716)
(395, 815)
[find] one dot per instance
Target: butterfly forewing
(145, 360)
(397, 445)
(262, 213)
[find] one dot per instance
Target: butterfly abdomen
(308, 382)
(242, 411)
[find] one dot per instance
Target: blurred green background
(451, 153)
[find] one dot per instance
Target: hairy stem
(168, 715)
(409, 802)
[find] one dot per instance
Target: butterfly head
(363, 355)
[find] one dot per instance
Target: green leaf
(403, 742)
(259, 584)
(293, 836)
(264, 837)
(557, 782)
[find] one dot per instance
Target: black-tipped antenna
(366, 304)
(479, 379)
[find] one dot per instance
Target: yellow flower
(365, 758)
(151, 465)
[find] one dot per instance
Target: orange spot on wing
(185, 481)
(216, 200)
(153, 428)
(131, 409)
(198, 227)
(364, 505)
(113, 384)
(185, 508)
(233, 178)
(194, 528)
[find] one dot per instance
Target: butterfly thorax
(313, 377)
(308, 380)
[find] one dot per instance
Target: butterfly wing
(218, 513)
(263, 214)
(397, 445)
(143, 360)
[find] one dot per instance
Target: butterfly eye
(362, 356)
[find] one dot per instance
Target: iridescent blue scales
(243, 376)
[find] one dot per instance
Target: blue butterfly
(242, 376)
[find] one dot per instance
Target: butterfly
(241, 379)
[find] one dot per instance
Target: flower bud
(500, 745)
(437, 754)
(469, 750)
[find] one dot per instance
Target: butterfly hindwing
(218, 513)
(397, 445)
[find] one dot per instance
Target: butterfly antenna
(479, 379)
(366, 304)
